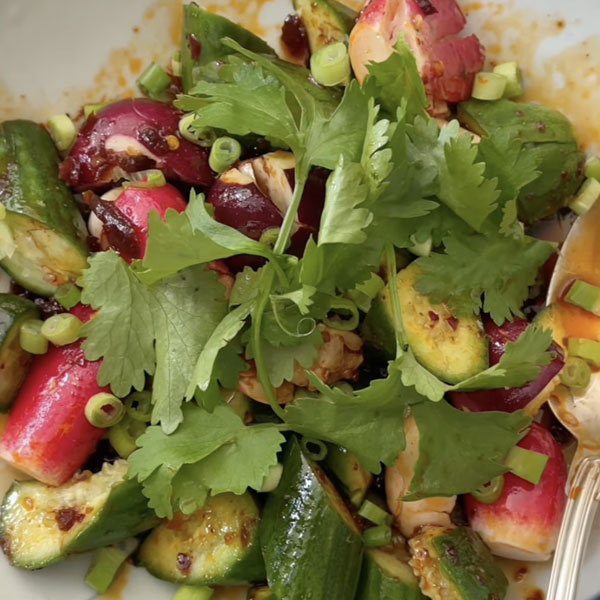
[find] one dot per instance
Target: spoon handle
(575, 530)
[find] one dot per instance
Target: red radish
(531, 395)
(129, 236)
(133, 135)
(523, 524)
(447, 63)
(47, 435)
(254, 196)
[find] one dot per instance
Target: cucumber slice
(451, 348)
(202, 35)
(40, 524)
(324, 24)
(311, 545)
(353, 479)
(453, 563)
(216, 545)
(385, 577)
(14, 361)
(42, 246)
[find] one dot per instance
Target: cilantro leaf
(159, 329)
(499, 268)
(521, 363)
(461, 451)
(184, 466)
(342, 221)
(122, 333)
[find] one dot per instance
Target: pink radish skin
(523, 524)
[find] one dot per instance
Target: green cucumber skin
(14, 361)
(209, 29)
(124, 515)
(353, 479)
(310, 550)
(29, 164)
(324, 24)
(377, 332)
(467, 562)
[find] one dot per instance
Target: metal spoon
(579, 413)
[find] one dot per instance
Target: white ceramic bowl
(56, 55)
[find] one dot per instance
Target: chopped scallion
(202, 136)
(68, 295)
(514, 79)
(586, 349)
(176, 64)
(104, 410)
(489, 86)
(31, 338)
(193, 592)
(62, 329)
(592, 168)
(576, 373)
(490, 492)
(272, 478)
(154, 82)
(313, 448)
(378, 536)
(139, 406)
(342, 314)
(421, 248)
(123, 436)
(584, 295)
(586, 197)
(62, 130)
(370, 511)
(106, 564)
(526, 464)
(224, 152)
(330, 65)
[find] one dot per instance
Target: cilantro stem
(266, 286)
(390, 263)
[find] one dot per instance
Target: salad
(280, 324)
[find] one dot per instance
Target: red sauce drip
(294, 38)
(195, 47)
(67, 517)
(426, 6)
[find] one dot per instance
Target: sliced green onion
(123, 436)
(576, 373)
(31, 338)
(62, 130)
(586, 349)
(68, 295)
(152, 178)
(378, 536)
(203, 136)
(330, 65)
(139, 406)
(104, 410)
(370, 511)
(585, 295)
(62, 329)
(193, 592)
(490, 492)
(105, 566)
(592, 168)
(224, 152)
(337, 308)
(176, 64)
(154, 82)
(586, 197)
(92, 109)
(421, 248)
(526, 464)
(514, 79)
(272, 479)
(313, 448)
(489, 86)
